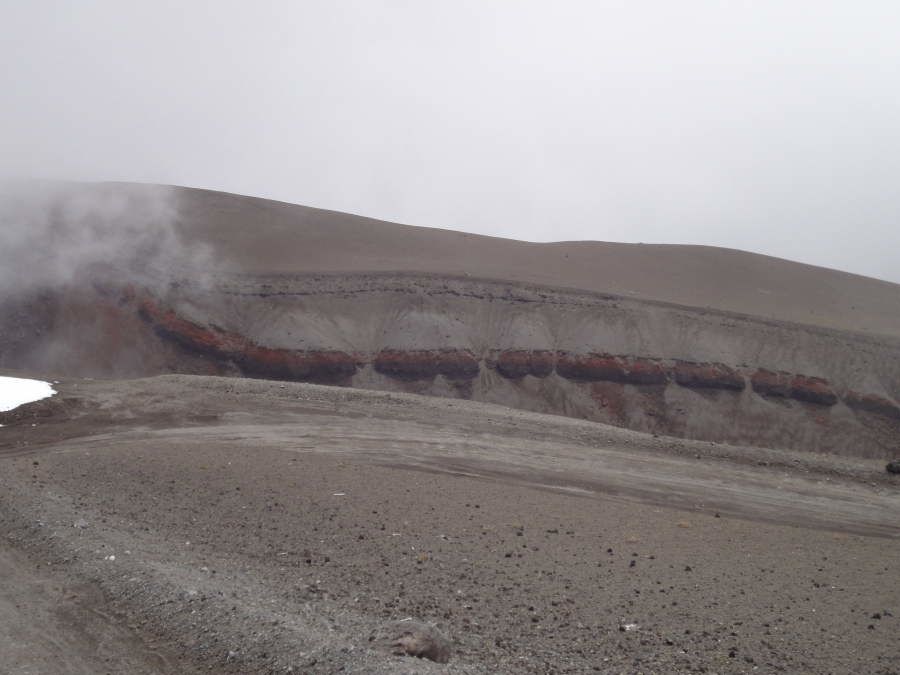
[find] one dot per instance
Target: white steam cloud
(56, 234)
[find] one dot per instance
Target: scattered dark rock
(893, 466)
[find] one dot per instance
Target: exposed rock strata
(624, 369)
(609, 360)
(707, 376)
(516, 363)
(872, 403)
(768, 383)
(462, 365)
(812, 390)
(324, 366)
(423, 364)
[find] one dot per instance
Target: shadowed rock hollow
(698, 342)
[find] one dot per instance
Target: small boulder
(893, 467)
(414, 638)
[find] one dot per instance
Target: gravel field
(190, 524)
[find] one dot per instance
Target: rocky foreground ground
(189, 524)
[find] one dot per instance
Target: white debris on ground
(15, 391)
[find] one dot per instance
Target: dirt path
(759, 493)
(50, 624)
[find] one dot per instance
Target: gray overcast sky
(768, 126)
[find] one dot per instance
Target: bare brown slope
(266, 237)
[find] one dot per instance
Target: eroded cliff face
(647, 366)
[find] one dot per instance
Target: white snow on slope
(15, 391)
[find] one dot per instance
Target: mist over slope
(696, 342)
(55, 234)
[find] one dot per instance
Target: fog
(55, 234)
(766, 126)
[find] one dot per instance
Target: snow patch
(15, 391)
